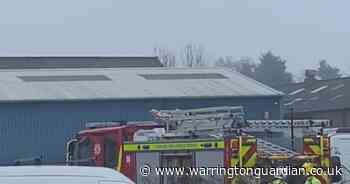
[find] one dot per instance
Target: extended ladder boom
(225, 112)
(199, 120)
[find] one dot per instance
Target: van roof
(72, 171)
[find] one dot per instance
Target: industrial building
(318, 99)
(41, 109)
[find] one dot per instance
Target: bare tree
(244, 65)
(193, 55)
(166, 57)
(226, 61)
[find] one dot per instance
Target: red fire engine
(208, 137)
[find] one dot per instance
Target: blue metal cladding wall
(42, 128)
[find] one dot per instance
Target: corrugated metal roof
(318, 95)
(127, 83)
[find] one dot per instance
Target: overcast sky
(301, 31)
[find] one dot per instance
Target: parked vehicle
(339, 139)
(61, 175)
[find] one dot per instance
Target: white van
(340, 152)
(340, 147)
(61, 175)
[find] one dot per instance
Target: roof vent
(336, 97)
(319, 89)
(183, 76)
(63, 78)
(338, 86)
(296, 91)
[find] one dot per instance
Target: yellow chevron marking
(252, 161)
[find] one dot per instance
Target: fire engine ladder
(266, 124)
(203, 119)
(267, 149)
(197, 114)
(221, 118)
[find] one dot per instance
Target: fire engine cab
(101, 144)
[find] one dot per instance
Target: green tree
(245, 65)
(272, 70)
(326, 71)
